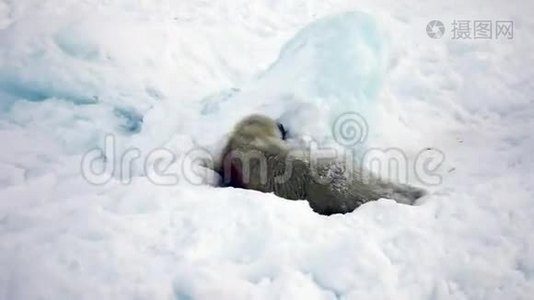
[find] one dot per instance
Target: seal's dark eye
(283, 130)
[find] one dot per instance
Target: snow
(167, 81)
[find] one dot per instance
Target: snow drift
(177, 76)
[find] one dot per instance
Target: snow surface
(178, 75)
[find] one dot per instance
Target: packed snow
(108, 110)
